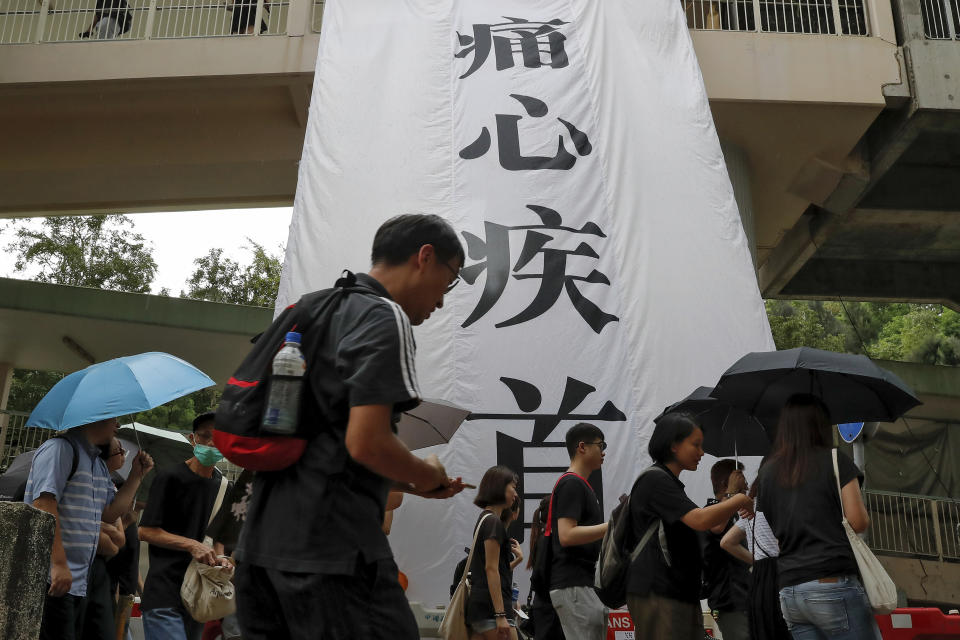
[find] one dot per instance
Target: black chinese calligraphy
(508, 141)
(530, 39)
(528, 458)
(493, 254)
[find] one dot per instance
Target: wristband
(500, 614)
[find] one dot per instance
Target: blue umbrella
(115, 388)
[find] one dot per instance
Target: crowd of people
(313, 559)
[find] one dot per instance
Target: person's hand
(203, 553)
(60, 579)
(449, 488)
(224, 561)
(440, 474)
(503, 629)
(515, 549)
(736, 483)
(745, 508)
(141, 465)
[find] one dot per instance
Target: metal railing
(913, 525)
(779, 16)
(941, 19)
(26, 21)
(18, 438)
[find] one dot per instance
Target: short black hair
(493, 486)
(720, 473)
(402, 236)
(671, 429)
(581, 432)
(203, 419)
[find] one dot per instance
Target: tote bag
(207, 592)
(881, 591)
(454, 624)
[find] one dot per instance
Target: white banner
(571, 144)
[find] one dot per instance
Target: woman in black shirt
(663, 585)
(489, 614)
(820, 593)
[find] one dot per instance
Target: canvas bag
(207, 592)
(454, 624)
(610, 579)
(881, 590)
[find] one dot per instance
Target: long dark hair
(804, 426)
(537, 527)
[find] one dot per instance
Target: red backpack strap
(549, 528)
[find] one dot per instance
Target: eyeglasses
(122, 452)
(601, 444)
(456, 279)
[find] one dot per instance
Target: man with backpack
(577, 527)
(69, 479)
(313, 560)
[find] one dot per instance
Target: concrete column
(6, 379)
(739, 169)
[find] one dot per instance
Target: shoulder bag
(207, 592)
(454, 624)
(881, 590)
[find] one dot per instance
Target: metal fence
(941, 19)
(779, 16)
(914, 525)
(25, 21)
(19, 438)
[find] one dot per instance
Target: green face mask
(208, 456)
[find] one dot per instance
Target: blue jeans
(835, 610)
(170, 624)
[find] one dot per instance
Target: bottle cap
(293, 336)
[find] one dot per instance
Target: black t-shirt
(124, 568)
(226, 526)
(574, 566)
(479, 605)
(658, 495)
(324, 513)
(806, 519)
(726, 579)
(180, 503)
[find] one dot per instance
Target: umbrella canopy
(727, 430)
(853, 388)
(431, 422)
(115, 388)
(165, 446)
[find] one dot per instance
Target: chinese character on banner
(494, 255)
(539, 456)
(530, 39)
(508, 141)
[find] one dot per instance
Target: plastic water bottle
(283, 398)
(516, 594)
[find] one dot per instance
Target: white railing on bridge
(779, 16)
(17, 438)
(941, 19)
(914, 525)
(29, 21)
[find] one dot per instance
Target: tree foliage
(926, 333)
(218, 278)
(102, 252)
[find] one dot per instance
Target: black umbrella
(852, 387)
(727, 430)
(12, 481)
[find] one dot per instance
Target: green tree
(102, 252)
(179, 413)
(220, 279)
(798, 323)
(29, 386)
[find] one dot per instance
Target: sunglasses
(601, 444)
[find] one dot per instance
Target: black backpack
(16, 492)
(239, 415)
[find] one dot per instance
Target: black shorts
(281, 605)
